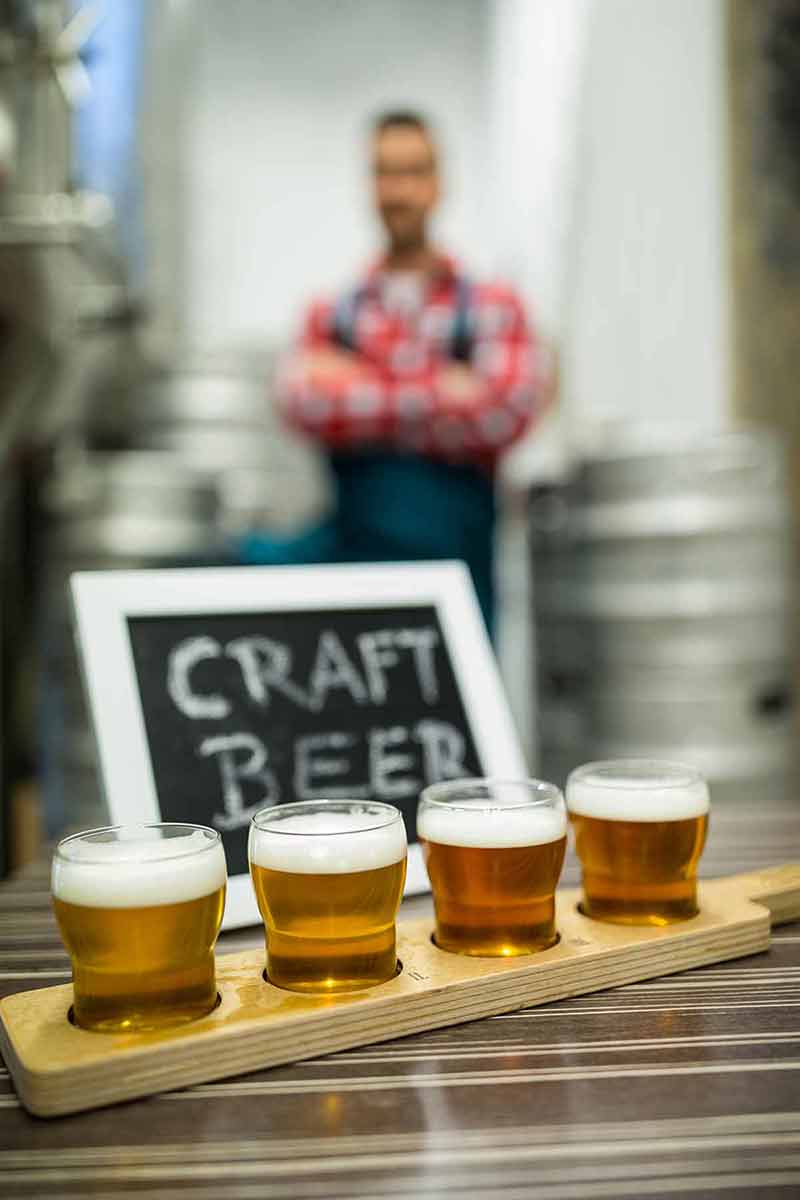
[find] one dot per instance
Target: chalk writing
(251, 709)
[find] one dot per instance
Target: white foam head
(326, 841)
(138, 867)
(629, 790)
(491, 823)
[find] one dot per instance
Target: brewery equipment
(664, 601)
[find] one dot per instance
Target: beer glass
(139, 908)
(328, 876)
(640, 828)
(494, 852)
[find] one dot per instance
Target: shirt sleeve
(368, 406)
(424, 412)
(506, 361)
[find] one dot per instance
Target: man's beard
(406, 239)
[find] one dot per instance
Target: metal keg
(105, 512)
(664, 604)
(217, 414)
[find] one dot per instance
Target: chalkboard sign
(216, 692)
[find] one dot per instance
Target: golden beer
(328, 877)
(139, 909)
(640, 828)
(494, 853)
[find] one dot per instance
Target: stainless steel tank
(217, 413)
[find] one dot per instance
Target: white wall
(645, 330)
(276, 202)
(535, 55)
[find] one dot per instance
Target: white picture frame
(103, 601)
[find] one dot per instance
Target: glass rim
(659, 773)
(436, 793)
(262, 820)
(214, 840)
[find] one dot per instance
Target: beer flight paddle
(307, 674)
(58, 1068)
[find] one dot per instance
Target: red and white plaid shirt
(402, 399)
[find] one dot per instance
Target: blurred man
(414, 382)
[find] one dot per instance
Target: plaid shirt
(402, 400)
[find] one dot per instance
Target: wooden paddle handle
(777, 888)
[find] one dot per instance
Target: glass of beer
(139, 908)
(494, 852)
(640, 828)
(328, 876)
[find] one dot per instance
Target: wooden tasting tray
(58, 1068)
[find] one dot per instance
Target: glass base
(315, 967)
(114, 1003)
(494, 942)
(623, 903)
(615, 916)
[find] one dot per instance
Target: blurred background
(178, 177)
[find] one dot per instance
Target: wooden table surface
(688, 1085)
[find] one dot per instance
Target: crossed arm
(448, 409)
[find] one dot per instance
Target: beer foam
(476, 823)
(302, 848)
(140, 870)
(623, 800)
